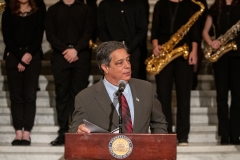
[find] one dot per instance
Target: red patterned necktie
(126, 116)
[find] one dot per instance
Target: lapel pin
(137, 99)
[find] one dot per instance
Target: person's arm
(205, 33)
(158, 122)
(50, 25)
(195, 38)
(88, 27)
(155, 30)
(8, 39)
(78, 115)
(102, 31)
(36, 44)
(141, 27)
(156, 47)
(192, 60)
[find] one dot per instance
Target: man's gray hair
(104, 51)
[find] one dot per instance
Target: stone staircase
(203, 139)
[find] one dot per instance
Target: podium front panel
(98, 146)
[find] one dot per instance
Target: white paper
(96, 129)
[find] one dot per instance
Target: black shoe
(16, 142)
(183, 142)
(224, 140)
(58, 141)
(235, 140)
(25, 142)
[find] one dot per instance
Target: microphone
(121, 85)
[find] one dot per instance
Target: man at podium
(99, 103)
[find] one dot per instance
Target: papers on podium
(96, 129)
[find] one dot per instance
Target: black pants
(69, 79)
(180, 72)
(227, 77)
(23, 88)
(135, 60)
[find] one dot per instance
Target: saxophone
(2, 6)
(167, 54)
(212, 54)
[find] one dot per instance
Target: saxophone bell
(92, 45)
(2, 6)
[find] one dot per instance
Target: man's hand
(27, 57)
(70, 55)
(82, 129)
(20, 67)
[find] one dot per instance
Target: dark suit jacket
(95, 105)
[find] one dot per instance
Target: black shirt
(23, 34)
(162, 21)
(69, 25)
(122, 21)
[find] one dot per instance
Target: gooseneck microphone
(121, 86)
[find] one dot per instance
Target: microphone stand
(120, 111)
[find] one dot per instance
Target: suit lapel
(137, 98)
(104, 100)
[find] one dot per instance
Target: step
(209, 156)
(47, 116)
(36, 152)
(47, 137)
(47, 99)
(39, 129)
(46, 82)
(201, 98)
(54, 129)
(46, 152)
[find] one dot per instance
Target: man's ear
(104, 68)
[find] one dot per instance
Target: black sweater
(162, 20)
(122, 21)
(69, 25)
(22, 34)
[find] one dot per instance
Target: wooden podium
(98, 146)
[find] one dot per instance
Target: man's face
(119, 68)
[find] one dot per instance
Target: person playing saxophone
(223, 14)
(168, 17)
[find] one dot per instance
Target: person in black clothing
(223, 15)
(22, 28)
(69, 27)
(179, 70)
(93, 5)
(143, 46)
(124, 21)
(198, 65)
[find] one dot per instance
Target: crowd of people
(122, 26)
